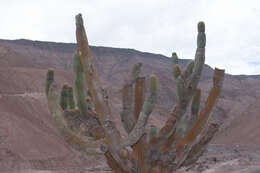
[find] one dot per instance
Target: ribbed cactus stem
(64, 97)
(147, 109)
(174, 58)
(195, 105)
(71, 102)
(135, 72)
(128, 93)
(201, 41)
(176, 71)
(79, 85)
(188, 70)
(199, 56)
(180, 89)
(175, 66)
(49, 80)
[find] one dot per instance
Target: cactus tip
(201, 27)
(174, 54)
(79, 20)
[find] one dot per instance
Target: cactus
(79, 85)
(71, 102)
(181, 140)
(49, 80)
(64, 97)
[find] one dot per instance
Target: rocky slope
(29, 139)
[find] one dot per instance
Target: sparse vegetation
(89, 129)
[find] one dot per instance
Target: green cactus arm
(136, 70)
(64, 97)
(140, 148)
(188, 70)
(190, 84)
(147, 108)
(181, 90)
(127, 99)
(93, 84)
(195, 107)
(184, 145)
(49, 80)
(174, 58)
(195, 104)
(54, 107)
(139, 93)
(199, 57)
(79, 85)
(112, 135)
(176, 70)
(186, 122)
(71, 102)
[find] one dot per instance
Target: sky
(156, 26)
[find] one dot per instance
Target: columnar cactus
(179, 142)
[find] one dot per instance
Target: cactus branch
(176, 70)
(64, 97)
(147, 108)
(127, 99)
(49, 80)
(71, 102)
(139, 148)
(111, 132)
(75, 140)
(93, 84)
(187, 141)
(79, 85)
(188, 70)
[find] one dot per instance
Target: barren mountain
(28, 138)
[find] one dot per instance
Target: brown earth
(29, 141)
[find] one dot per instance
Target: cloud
(232, 27)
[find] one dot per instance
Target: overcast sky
(156, 26)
